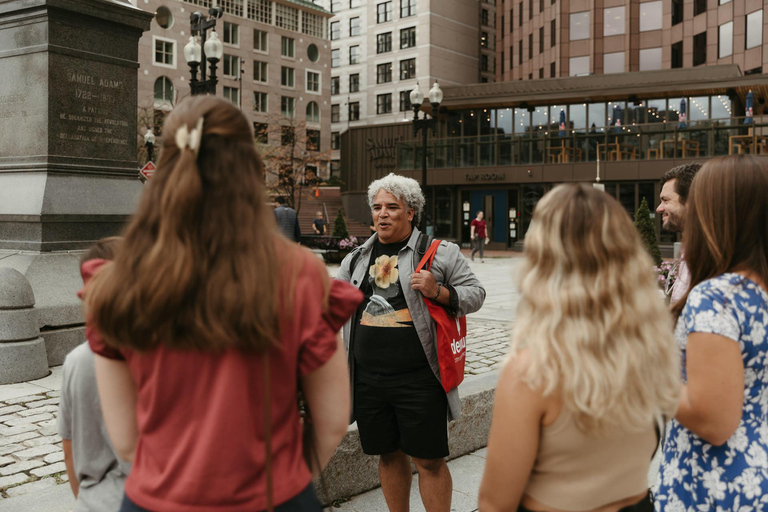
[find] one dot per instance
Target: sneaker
(472, 257)
(482, 261)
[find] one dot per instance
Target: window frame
(287, 74)
(236, 32)
(409, 36)
(264, 39)
(386, 12)
(314, 120)
(385, 107)
(357, 55)
(262, 96)
(261, 66)
(174, 52)
(291, 44)
(354, 85)
(408, 7)
(383, 40)
(354, 106)
(308, 80)
(408, 69)
(384, 73)
(227, 60)
(284, 102)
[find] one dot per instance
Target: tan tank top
(575, 471)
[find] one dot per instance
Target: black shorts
(411, 417)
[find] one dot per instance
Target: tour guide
(398, 400)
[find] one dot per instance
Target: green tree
(340, 226)
(647, 231)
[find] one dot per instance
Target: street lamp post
(424, 125)
(211, 50)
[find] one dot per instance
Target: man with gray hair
(398, 399)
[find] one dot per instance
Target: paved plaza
(32, 473)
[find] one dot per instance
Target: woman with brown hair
(593, 366)
(716, 450)
(204, 326)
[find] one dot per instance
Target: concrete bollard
(22, 350)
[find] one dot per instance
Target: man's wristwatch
(439, 287)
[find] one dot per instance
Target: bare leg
(435, 484)
(395, 476)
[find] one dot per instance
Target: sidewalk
(32, 473)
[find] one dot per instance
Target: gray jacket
(449, 268)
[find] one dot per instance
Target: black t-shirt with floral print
(386, 347)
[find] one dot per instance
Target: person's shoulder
(80, 355)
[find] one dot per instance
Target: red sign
(148, 170)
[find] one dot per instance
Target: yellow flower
(384, 271)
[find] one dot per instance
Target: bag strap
(353, 261)
(268, 431)
(428, 256)
(421, 248)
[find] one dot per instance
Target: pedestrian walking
(204, 331)
(675, 185)
(399, 402)
(318, 225)
(96, 474)
(592, 370)
(715, 454)
(287, 220)
(478, 235)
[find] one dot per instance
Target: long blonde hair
(590, 315)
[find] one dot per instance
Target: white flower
(739, 440)
(683, 441)
(750, 482)
(756, 457)
(671, 473)
(711, 481)
(758, 333)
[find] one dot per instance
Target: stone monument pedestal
(68, 161)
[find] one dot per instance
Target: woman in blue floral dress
(716, 449)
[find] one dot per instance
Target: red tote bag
(451, 333)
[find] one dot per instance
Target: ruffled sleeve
(92, 334)
(710, 308)
(319, 343)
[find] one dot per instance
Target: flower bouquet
(666, 275)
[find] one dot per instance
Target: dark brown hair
(103, 249)
(684, 175)
(202, 266)
(726, 225)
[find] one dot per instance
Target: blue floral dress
(695, 475)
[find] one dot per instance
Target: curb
(350, 472)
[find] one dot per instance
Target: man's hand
(424, 282)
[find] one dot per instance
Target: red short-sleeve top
(201, 428)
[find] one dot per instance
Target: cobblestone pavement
(31, 457)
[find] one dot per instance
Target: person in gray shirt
(96, 475)
(287, 220)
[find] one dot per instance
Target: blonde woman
(593, 366)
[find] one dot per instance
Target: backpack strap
(355, 256)
(422, 244)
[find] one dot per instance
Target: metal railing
(694, 139)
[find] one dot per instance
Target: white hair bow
(190, 139)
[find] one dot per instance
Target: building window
(354, 111)
(335, 113)
(313, 112)
(334, 140)
(405, 101)
(231, 34)
(699, 6)
(541, 72)
(552, 33)
(287, 47)
(408, 38)
(511, 57)
(313, 81)
(677, 12)
(384, 12)
(484, 17)
(407, 8)
(483, 62)
(520, 14)
(287, 77)
(261, 11)
(287, 17)
(650, 59)
(233, 7)
(286, 106)
(335, 168)
(613, 21)
(354, 55)
(312, 25)
(260, 41)
(700, 49)
(287, 135)
(354, 82)
(725, 40)
(754, 29)
(541, 5)
(501, 62)
(541, 39)
(530, 46)
(502, 26)
(164, 90)
(578, 66)
(335, 85)
(335, 5)
(354, 26)
(231, 66)
(677, 55)
(384, 73)
(354, 4)
(232, 94)
(163, 17)
(484, 39)
(260, 102)
(579, 26)
(650, 16)
(259, 71)
(520, 52)
(313, 144)
(407, 69)
(383, 104)
(384, 43)
(165, 52)
(530, 9)
(552, 70)
(261, 133)
(313, 54)
(613, 62)
(335, 30)
(335, 58)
